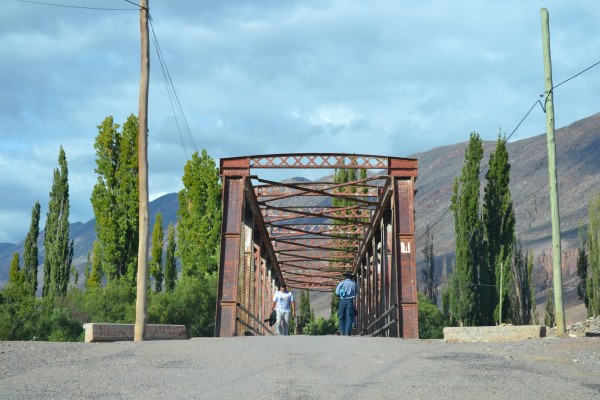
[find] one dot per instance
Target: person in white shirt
(286, 309)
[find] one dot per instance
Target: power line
(514, 130)
(137, 5)
(577, 74)
(81, 7)
(173, 97)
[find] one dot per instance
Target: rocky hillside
(578, 163)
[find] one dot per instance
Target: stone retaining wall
(500, 333)
(101, 332)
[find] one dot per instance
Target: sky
(381, 77)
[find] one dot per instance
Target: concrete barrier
(101, 332)
(501, 333)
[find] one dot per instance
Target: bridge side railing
(249, 326)
(378, 320)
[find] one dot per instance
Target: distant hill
(578, 157)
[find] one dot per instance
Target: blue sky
(388, 77)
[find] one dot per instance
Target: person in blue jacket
(347, 290)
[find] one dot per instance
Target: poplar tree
(15, 275)
(521, 289)
(549, 318)
(593, 245)
(428, 272)
(30, 251)
(582, 268)
(305, 314)
(199, 227)
(59, 252)
(94, 279)
(170, 261)
(499, 237)
(469, 232)
(156, 264)
(115, 198)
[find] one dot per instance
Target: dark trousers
(346, 316)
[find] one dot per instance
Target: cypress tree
(156, 264)
(499, 238)
(30, 252)
(170, 261)
(115, 198)
(59, 252)
(467, 225)
(199, 227)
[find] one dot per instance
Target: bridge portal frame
(384, 261)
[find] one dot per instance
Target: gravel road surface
(302, 367)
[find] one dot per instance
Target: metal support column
(405, 260)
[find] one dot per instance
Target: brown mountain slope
(578, 163)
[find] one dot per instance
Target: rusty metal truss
(275, 232)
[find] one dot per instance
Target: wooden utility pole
(556, 251)
(142, 272)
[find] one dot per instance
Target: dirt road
(301, 367)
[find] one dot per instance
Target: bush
(431, 319)
(19, 312)
(58, 325)
(321, 326)
(114, 303)
(192, 303)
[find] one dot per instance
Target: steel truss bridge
(289, 231)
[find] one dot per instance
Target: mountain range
(578, 163)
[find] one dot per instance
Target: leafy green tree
(156, 265)
(469, 232)
(428, 272)
(30, 251)
(431, 319)
(499, 238)
(582, 268)
(170, 261)
(59, 252)
(199, 227)
(115, 198)
(593, 245)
